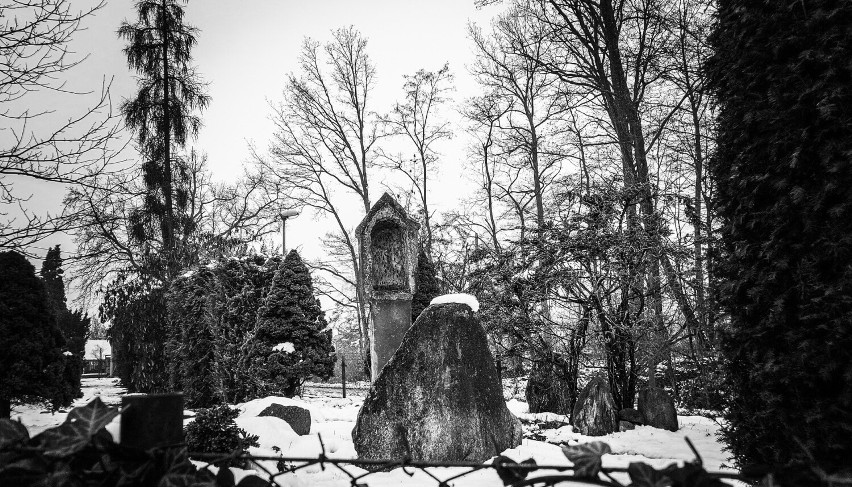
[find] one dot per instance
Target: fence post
(152, 420)
(343, 374)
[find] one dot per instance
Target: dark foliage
(31, 345)
(81, 452)
(138, 335)
(426, 285)
(74, 326)
(290, 317)
(169, 90)
(191, 300)
(783, 80)
(214, 431)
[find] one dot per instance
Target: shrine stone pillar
(388, 244)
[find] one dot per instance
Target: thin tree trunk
(168, 237)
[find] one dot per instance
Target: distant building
(98, 358)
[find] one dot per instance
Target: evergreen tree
(782, 76)
(51, 274)
(292, 342)
(74, 326)
(161, 114)
(31, 345)
(426, 285)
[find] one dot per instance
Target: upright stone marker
(387, 242)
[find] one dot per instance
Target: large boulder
(547, 389)
(594, 411)
(298, 418)
(658, 409)
(438, 398)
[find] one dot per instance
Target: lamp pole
(284, 216)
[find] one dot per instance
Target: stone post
(387, 242)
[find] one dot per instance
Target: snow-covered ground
(333, 417)
(38, 419)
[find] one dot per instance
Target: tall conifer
(161, 115)
(783, 169)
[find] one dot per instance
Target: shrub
(214, 431)
(781, 75)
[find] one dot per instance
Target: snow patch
(286, 347)
(458, 298)
(67, 353)
(270, 430)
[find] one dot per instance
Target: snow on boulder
(457, 298)
(271, 431)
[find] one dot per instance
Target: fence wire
(509, 473)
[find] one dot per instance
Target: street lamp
(284, 216)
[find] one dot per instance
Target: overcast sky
(246, 48)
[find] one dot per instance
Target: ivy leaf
(586, 458)
(76, 432)
(12, 432)
(644, 475)
(507, 471)
(92, 417)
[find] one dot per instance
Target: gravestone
(658, 408)
(387, 242)
(439, 398)
(594, 412)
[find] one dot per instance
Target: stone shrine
(387, 242)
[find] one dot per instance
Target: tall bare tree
(417, 119)
(323, 150)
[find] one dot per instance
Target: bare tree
(417, 119)
(216, 219)
(38, 145)
(323, 150)
(507, 66)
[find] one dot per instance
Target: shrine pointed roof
(384, 202)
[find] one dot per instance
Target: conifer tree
(74, 326)
(426, 285)
(292, 342)
(31, 345)
(783, 171)
(161, 114)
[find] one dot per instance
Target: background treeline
(225, 332)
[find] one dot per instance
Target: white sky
(246, 48)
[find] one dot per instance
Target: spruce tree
(426, 285)
(292, 342)
(783, 170)
(31, 346)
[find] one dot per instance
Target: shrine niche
(388, 244)
(387, 249)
